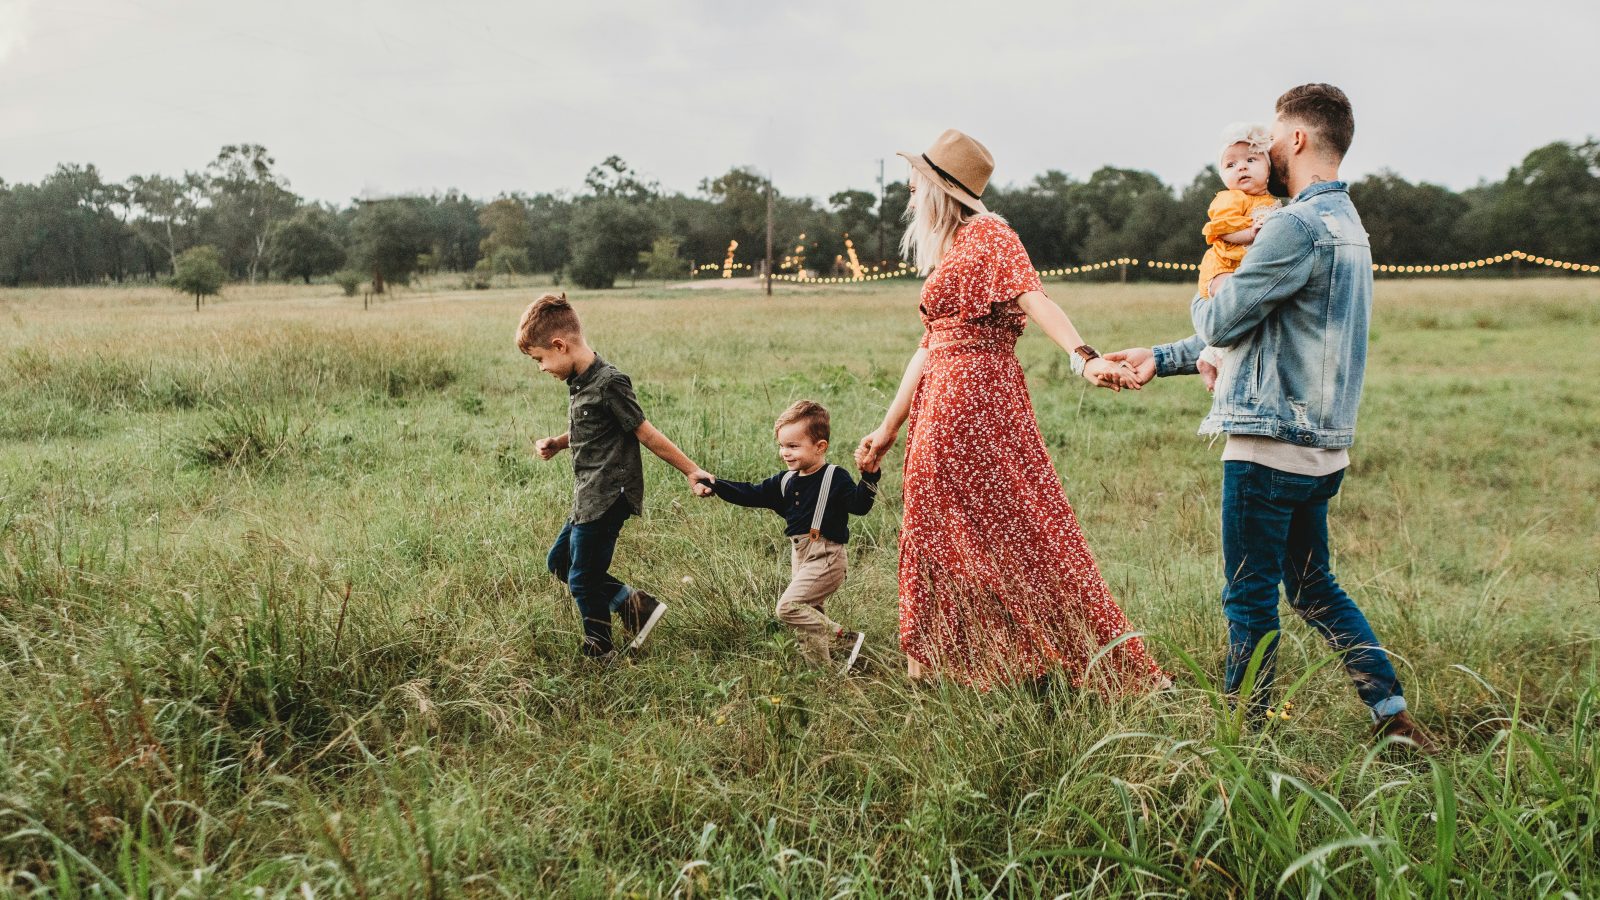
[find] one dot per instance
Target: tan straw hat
(959, 164)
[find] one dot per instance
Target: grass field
(274, 619)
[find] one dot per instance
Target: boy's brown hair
(546, 319)
(814, 414)
(1324, 109)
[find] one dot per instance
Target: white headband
(1255, 134)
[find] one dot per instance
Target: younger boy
(605, 428)
(817, 499)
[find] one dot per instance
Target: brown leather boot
(1401, 725)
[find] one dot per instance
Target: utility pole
(769, 234)
(883, 199)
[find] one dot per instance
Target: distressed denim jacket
(1294, 317)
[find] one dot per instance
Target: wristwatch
(1081, 356)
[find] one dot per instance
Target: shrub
(242, 436)
(349, 280)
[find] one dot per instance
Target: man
(1295, 316)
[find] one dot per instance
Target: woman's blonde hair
(931, 225)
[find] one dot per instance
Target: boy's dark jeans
(1275, 531)
(581, 558)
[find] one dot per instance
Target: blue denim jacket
(1294, 317)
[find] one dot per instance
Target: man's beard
(1277, 178)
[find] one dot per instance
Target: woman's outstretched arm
(1053, 321)
(876, 444)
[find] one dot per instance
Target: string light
(904, 269)
(1565, 265)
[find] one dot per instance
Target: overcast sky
(401, 96)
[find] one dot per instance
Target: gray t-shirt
(1284, 456)
(602, 415)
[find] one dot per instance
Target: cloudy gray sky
(354, 96)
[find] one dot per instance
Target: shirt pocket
(587, 420)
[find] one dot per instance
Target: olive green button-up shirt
(602, 415)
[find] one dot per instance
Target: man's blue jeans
(581, 558)
(1275, 531)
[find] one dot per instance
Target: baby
(1235, 215)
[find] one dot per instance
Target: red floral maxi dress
(996, 581)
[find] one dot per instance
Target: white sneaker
(646, 611)
(853, 640)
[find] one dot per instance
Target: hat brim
(934, 178)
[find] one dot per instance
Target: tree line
(239, 218)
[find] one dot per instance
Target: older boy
(605, 428)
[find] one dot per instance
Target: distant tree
(388, 236)
(614, 179)
(662, 261)
(1048, 215)
(247, 198)
(166, 211)
(112, 205)
(64, 230)
(609, 233)
(1409, 223)
(305, 245)
(1131, 213)
(741, 197)
(72, 227)
(610, 227)
(549, 219)
(453, 229)
(697, 224)
(896, 196)
(1183, 241)
(199, 272)
(1548, 205)
(856, 211)
(507, 235)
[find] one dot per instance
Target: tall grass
(274, 620)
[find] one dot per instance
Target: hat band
(950, 178)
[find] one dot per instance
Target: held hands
(550, 446)
(700, 482)
(1112, 373)
(867, 466)
(1142, 361)
(873, 447)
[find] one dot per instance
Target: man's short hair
(1324, 109)
(546, 319)
(813, 414)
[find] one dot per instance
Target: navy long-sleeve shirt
(798, 504)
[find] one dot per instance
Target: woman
(996, 582)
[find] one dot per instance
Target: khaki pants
(819, 567)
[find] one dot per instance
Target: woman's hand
(873, 448)
(1114, 375)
